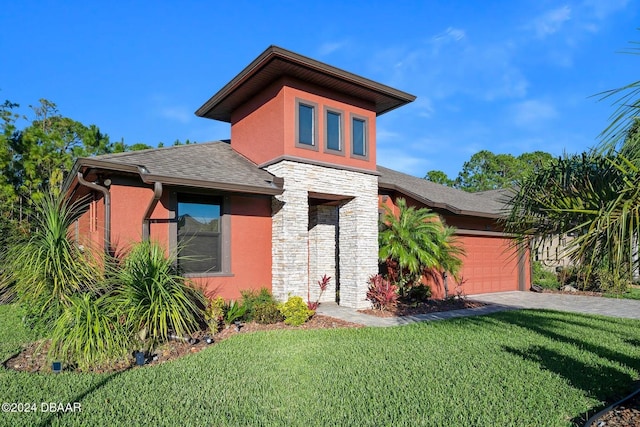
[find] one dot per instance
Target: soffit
(276, 62)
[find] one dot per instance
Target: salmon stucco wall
(263, 129)
(257, 127)
(250, 250)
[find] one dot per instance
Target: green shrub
(543, 277)
(214, 314)
(295, 311)
(251, 298)
(233, 311)
(267, 313)
(419, 293)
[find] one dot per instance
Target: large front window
(199, 234)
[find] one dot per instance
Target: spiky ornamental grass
(155, 299)
(89, 333)
(50, 267)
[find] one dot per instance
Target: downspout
(107, 209)
(157, 193)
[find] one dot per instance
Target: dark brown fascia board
(317, 163)
(433, 204)
(225, 186)
(273, 52)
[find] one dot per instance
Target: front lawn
(510, 369)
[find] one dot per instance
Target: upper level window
(199, 234)
(359, 137)
(306, 124)
(333, 131)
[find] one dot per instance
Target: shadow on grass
(78, 398)
(550, 328)
(602, 383)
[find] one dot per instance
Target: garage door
(490, 265)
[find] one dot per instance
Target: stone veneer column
(357, 222)
(323, 224)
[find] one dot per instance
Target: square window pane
(199, 252)
(359, 138)
(333, 131)
(305, 124)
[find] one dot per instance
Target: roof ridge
(148, 150)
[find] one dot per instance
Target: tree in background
(439, 177)
(35, 159)
(488, 171)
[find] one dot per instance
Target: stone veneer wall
(323, 232)
(357, 230)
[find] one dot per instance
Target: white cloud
(330, 47)
(384, 136)
(177, 113)
(398, 159)
(601, 9)
(532, 112)
(551, 22)
(450, 34)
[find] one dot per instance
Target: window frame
(225, 230)
(365, 136)
(341, 139)
(314, 124)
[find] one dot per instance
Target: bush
(214, 314)
(154, 297)
(267, 313)
(88, 333)
(251, 298)
(295, 311)
(419, 293)
(382, 294)
(233, 311)
(544, 278)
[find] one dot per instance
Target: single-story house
(295, 194)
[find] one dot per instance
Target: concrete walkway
(499, 302)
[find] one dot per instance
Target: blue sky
(506, 76)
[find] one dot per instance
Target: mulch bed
(626, 414)
(430, 306)
(33, 358)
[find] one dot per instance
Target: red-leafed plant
(382, 294)
(322, 283)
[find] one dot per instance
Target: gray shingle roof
(205, 165)
(439, 196)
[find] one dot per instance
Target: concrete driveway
(499, 302)
(576, 303)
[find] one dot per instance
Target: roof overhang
(87, 163)
(276, 62)
(433, 204)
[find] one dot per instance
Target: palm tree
(594, 196)
(415, 241)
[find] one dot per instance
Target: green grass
(632, 293)
(13, 334)
(514, 368)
